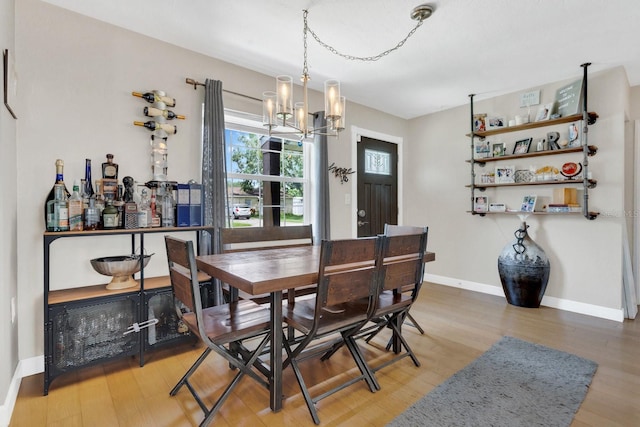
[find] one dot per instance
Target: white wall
(8, 235)
(76, 77)
(585, 255)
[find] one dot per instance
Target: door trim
(356, 133)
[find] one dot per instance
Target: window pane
(377, 162)
(267, 175)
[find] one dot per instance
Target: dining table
(271, 271)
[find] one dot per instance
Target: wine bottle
(152, 125)
(154, 97)
(167, 114)
(88, 184)
(59, 180)
(57, 210)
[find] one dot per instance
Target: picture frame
(495, 122)
(522, 146)
(497, 207)
(498, 149)
(479, 124)
(505, 174)
(482, 149)
(529, 203)
(481, 204)
(544, 112)
(574, 135)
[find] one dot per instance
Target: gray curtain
(214, 173)
(320, 215)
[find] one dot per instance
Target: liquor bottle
(109, 216)
(167, 212)
(109, 169)
(154, 97)
(59, 180)
(91, 215)
(75, 208)
(144, 210)
(119, 205)
(88, 184)
(99, 201)
(167, 114)
(152, 125)
(57, 210)
(155, 219)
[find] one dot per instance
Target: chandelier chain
(347, 56)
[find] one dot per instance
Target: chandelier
(282, 116)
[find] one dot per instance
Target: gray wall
(76, 78)
(585, 255)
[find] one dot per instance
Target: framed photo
(574, 135)
(505, 174)
(522, 146)
(498, 149)
(544, 112)
(495, 122)
(481, 204)
(528, 203)
(479, 124)
(482, 149)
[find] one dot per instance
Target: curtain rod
(195, 84)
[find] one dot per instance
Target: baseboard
(25, 368)
(559, 303)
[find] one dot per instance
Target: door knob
(361, 223)
(362, 213)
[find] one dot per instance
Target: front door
(377, 171)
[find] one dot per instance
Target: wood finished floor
(460, 325)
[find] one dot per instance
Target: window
(267, 175)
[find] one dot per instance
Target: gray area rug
(515, 383)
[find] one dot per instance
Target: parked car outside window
(240, 211)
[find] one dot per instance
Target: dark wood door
(377, 186)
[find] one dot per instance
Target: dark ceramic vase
(524, 270)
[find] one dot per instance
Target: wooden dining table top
(269, 270)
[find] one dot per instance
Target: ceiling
(467, 46)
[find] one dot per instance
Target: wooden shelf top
(573, 118)
(96, 291)
(592, 183)
(122, 231)
(591, 151)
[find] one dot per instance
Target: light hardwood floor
(460, 325)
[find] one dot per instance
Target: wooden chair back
(348, 272)
(183, 272)
(403, 258)
(256, 238)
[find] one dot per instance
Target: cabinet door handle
(136, 327)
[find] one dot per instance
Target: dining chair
(397, 230)
(256, 238)
(346, 293)
(402, 270)
(222, 328)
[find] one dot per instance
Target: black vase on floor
(524, 270)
